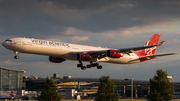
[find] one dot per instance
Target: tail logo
(149, 51)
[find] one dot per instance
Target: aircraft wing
(129, 50)
(102, 53)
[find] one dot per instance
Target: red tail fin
(150, 51)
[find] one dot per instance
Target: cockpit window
(9, 40)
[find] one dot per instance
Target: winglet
(161, 43)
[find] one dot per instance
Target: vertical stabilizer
(149, 51)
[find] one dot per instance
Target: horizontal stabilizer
(152, 57)
(161, 55)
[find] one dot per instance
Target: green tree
(106, 90)
(161, 89)
(50, 93)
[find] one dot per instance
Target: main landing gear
(80, 65)
(16, 56)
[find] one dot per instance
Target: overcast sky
(105, 23)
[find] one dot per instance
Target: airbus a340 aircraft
(60, 51)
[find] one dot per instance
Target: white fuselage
(60, 49)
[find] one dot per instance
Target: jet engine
(56, 59)
(114, 53)
(83, 57)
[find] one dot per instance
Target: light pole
(131, 88)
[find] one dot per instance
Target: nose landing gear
(16, 56)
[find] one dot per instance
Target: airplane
(60, 51)
(7, 96)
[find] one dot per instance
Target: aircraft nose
(4, 44)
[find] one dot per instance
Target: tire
(79, 65)
(88, 66)
(83, 68)
(94, 64)
(99, 67)
(16, 57)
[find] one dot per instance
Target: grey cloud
(90, 4)
(44, 18)
(123, 14)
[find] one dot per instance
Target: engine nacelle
(83, 57)
(113, 53)
(56, 59)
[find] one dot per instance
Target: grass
(93, 100)
(119, 100)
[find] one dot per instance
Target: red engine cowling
(83, 57)
(56, 59)
(114, 53)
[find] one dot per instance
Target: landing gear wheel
(79, 65)
(16, 57)
(16, 54)
(99, 67)
(94, 64)
(83, 68)
(88, 66)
